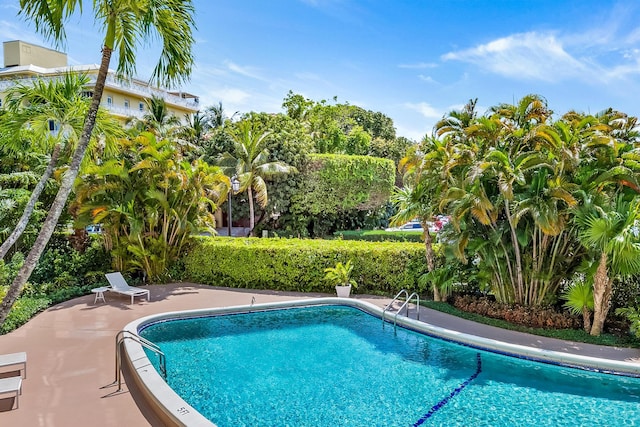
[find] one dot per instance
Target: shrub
(23, 310)
(298, 265)
(61, 267)
(380, 236)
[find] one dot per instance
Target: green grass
(562, 334)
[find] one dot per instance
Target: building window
(109, 101)
(87, 94)
(141, 106)
(126, 104)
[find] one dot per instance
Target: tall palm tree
(35, 108)
(126, 23)
(251, 166)
(425, 178)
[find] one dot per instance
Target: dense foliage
(532, 200)
(150, 203)
(298, 264)
(61, 274)
(307, 129)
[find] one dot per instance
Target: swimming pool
(332, 365)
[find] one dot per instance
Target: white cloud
(244, 71)
(427, 79)
(425, 109)
(412, 133)
(232, 96)
(530, 56)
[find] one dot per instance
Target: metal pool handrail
(408, 300)
(404, 291)
(120, 337)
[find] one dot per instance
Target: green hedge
(341, 183)
(298, 264)
(380, 236)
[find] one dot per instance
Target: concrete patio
(70, 350)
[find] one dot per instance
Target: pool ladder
(120, 338)
(408, 299)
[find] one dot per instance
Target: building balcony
(127, 86)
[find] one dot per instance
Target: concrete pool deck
(70, 352)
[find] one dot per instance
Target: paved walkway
(70, 350)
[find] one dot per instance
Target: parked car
(434, 227)
(94, 228)
(410, 226)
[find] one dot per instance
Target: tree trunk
(28, 210)
(519, 285)
(601, 296)
(252, 221)
(431, 258)
(586, 319)
(63, 193)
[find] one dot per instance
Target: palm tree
(158, 119)
(611, 233)
(126, 23)
(425, 178)
(579, 300)
(33, 109)
(251, 166)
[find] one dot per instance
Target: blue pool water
(338, 366)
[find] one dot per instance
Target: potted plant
(341, 276)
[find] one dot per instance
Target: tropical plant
(633, 316)
(579, 300)
(126, 23)
(612, 235)
(340, 275)
(150, 203)
(158, 119)
(509, 197)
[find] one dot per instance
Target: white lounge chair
(16, 361)
(119, 285)
(12, 386)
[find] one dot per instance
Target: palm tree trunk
(63, 193)
(430, 257)
(519, 285)
(28, 210)
(586, 319)
(251, 218)
(601, 296)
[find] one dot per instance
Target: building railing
(127, 85)
(147, 91)
(121, 111)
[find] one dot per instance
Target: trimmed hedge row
(298, 264)
(380, 236)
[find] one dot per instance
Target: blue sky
(412, 60)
